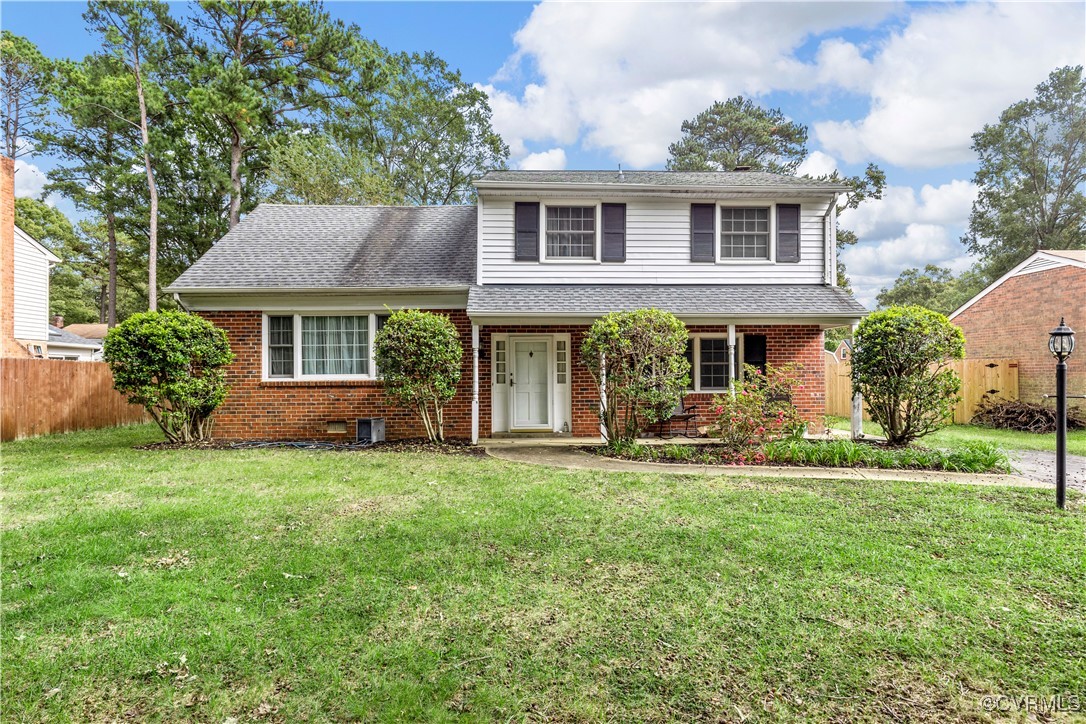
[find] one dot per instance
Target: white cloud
(948, 205)
(29, 180)
(874, 266)
(552, 160)
(628, 74)
(944, 75)
(817, 164)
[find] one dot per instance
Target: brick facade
(302, 409)
(1014, 319)
(8, 346)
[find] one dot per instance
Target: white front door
(531, 375)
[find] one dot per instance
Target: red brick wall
(1014, 319)
(256, 409)
(8, 346)
(301, 410)
(801, 344)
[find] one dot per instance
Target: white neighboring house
(32, 262)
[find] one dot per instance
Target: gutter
(656, 188)
(175, 290)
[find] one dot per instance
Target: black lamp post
(1061, 343)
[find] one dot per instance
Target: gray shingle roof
(314, 247)
(750, 300)
(58, 335)
(676, 179)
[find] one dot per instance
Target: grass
(956, 435)
(289, 585)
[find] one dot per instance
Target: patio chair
(684, 415)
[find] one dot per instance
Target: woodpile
(1023, 416)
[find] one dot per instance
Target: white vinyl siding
(657, 248)
(31, 290)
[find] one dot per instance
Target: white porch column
(857, 420)
(474, 384)
(731, 359)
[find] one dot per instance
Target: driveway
(1041, 466)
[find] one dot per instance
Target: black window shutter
(788, 232)
(527, 230)
(754, 351)
(702, 232)
(614, 232)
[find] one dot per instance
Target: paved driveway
(1041, 466)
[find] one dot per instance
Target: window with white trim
(318, 346)
(561, 361)
(500, 361)
(744, 233)
(708, 358)
(571, 232)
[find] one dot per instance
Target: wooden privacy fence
(42, 396)
(995, 377)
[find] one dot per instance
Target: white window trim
(739, 204)
(544, 205)
(695, 373)
(371, 327)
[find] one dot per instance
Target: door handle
(511, 380)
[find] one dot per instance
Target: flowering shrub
(760, 410)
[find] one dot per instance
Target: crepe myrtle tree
(637, 360)
(171, 363)
(419, 357)
(899, 365)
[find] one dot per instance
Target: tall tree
(90, 132)
(1032, 176)
(25, 84)
(932, 287)
(739, 132)
(132, 33)
(429, 131)
(256, 65)
(314, 168)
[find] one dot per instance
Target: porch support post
(731, 359)
(857, 421)
(474, 384)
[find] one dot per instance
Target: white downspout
(831, 243)
(474, 384)
(731, 359)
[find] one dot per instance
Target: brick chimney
(58, 322)
(8, 346)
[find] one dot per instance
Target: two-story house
(746, 259)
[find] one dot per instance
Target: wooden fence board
(43, 396)
(995, 377)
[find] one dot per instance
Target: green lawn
(954, 435)
(297, 585)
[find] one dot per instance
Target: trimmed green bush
(171, 364)
(637, 360)
(899, 365)
(419, 357)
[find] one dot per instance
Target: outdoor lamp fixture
(1061, 343)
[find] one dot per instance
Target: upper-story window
(744, 233)
(571, 232)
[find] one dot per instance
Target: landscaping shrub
(419, 356)
(171, 364)
(761, 409)
(974, 457)
(680, 453)
(637, 360)
(1023, 416)
(899, 365)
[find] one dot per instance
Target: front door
(531, 376)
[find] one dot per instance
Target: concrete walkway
(570, 458)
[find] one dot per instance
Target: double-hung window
(708, 358)
(571, 232)
(744, 233)
(303, 346)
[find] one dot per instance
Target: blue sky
(592, 85)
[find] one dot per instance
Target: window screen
(571, 232)
(744, 233)
(714, 364)
(280, 346)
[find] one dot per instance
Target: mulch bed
(412, 445)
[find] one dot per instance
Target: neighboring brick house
(746, 259)
(1012, 317)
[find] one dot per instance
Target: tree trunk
(111, 295)
(152, 190)
(235, 179)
